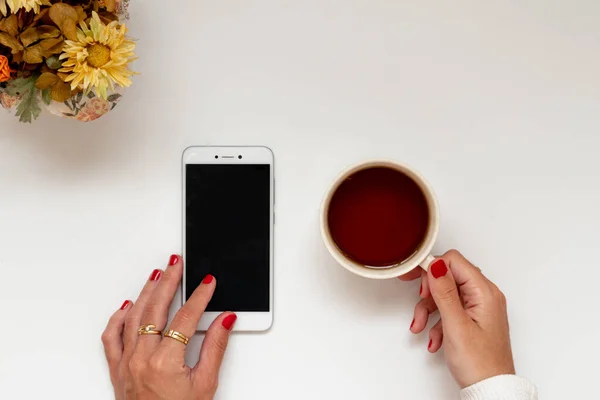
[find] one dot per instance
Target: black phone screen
(228, 233)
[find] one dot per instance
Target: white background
(497, 105)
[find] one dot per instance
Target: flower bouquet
(70, 57)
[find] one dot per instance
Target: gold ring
(149, 330)
(180, 337)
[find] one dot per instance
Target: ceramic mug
(420, 258)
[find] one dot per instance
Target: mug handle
(427, 262)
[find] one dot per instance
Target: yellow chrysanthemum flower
(99, 58)
(16, 5)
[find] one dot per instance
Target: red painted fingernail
(430, 343)
(155, 275)
(438, 269)
(412, 324)
(229, 321)
(421, 290)
(174, 259)
(207, 279)
(125, 304)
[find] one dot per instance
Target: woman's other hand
(474, 321)
(152, 367)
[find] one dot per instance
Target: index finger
(416, 274)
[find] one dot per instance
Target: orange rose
(4, 69)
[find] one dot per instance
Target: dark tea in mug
(378, 217)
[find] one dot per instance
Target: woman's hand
(148, 367)
(474, 321)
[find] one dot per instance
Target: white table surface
(497, 105)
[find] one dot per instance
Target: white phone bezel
(247, 321)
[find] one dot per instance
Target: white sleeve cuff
(502, 387)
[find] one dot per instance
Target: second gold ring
(180, 337)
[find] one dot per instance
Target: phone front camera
(240, 157)
(216, 157)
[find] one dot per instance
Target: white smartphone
(228, 218)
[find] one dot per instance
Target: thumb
(213, 349)
(445, 292)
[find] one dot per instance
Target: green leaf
(113, 106)
(113, 97)
(91, 95)
(19, 86)
(68, 105)
(46, 96)
(29, 108)
(79, 97)
(68, 114)
(53, 62)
